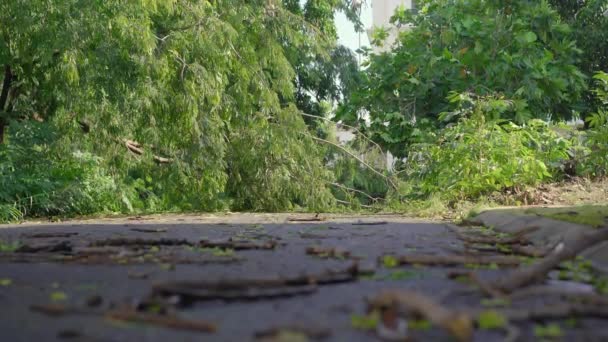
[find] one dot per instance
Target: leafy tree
(188, 102)
(589, 21)
(517, 48)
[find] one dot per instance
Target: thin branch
(345, 188)
(356, 130)
(357, 158)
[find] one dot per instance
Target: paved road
(118, 276)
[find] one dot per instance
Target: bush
(594, 162)
(480, 153)
(37, 178)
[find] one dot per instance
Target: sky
(346, 33)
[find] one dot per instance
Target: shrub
(479, 153)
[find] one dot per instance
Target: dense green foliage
(188, 105)
(519, 49)
(589, 21)
(171, 105)
(480, 153)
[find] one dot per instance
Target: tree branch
(388, 180)
(6, 85)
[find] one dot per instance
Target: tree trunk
(6, 85)
(2, 129)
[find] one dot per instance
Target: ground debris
(238, 245)
(49, 235)
(250, 289)
(371, 223)
(521, 277)
(328, 252)
(517, 238)
(63, 246)
(274, 334)
(137, 242)
(167, 321)
(455, 260)
(149, 230)
(398, 302)
(57, 310)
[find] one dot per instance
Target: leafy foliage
(480, 153)
(517, 48)
(594, 161)
(589, 21)
(160, 105)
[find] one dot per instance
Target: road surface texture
(241, 278)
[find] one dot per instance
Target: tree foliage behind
(191, 104)
(517, 48)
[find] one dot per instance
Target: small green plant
(491, 319)
(365, 322)
(550, 331)
(58, 296)
(9, 247)
(421, 324)
(5, 282)
(217, 251)
(390, 261)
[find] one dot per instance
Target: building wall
(382, 11)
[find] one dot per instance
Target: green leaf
(491, 319)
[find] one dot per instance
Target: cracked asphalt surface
(126, 275)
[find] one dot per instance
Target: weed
(366, 322)
(491, 320)
(548, 331)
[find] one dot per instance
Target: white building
(382, 11)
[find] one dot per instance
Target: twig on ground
(166, 321)
(454, 260)
(565, 251)
(248, 289)
(459, 325)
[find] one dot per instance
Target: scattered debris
(458, 324)
(331, 252)
(237, 245)
(94, 301)
(373, 223)
(315, 333)
(63, 246)
(454, 260)
(517, 238)
(521, 277)
(49, 235)
(316, 218)
(149, 230)
(249, 289)
(167, 321)
(135, 242)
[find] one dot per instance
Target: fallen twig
(248, 289)
(49, 235)
(453, 260)
(362, 223)
(161, 320)
(135, 242)
(237, 245)
(458, 324)
(63, 246)
(331, 252)
(315, 333)
(521, 277)
(149, 230)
